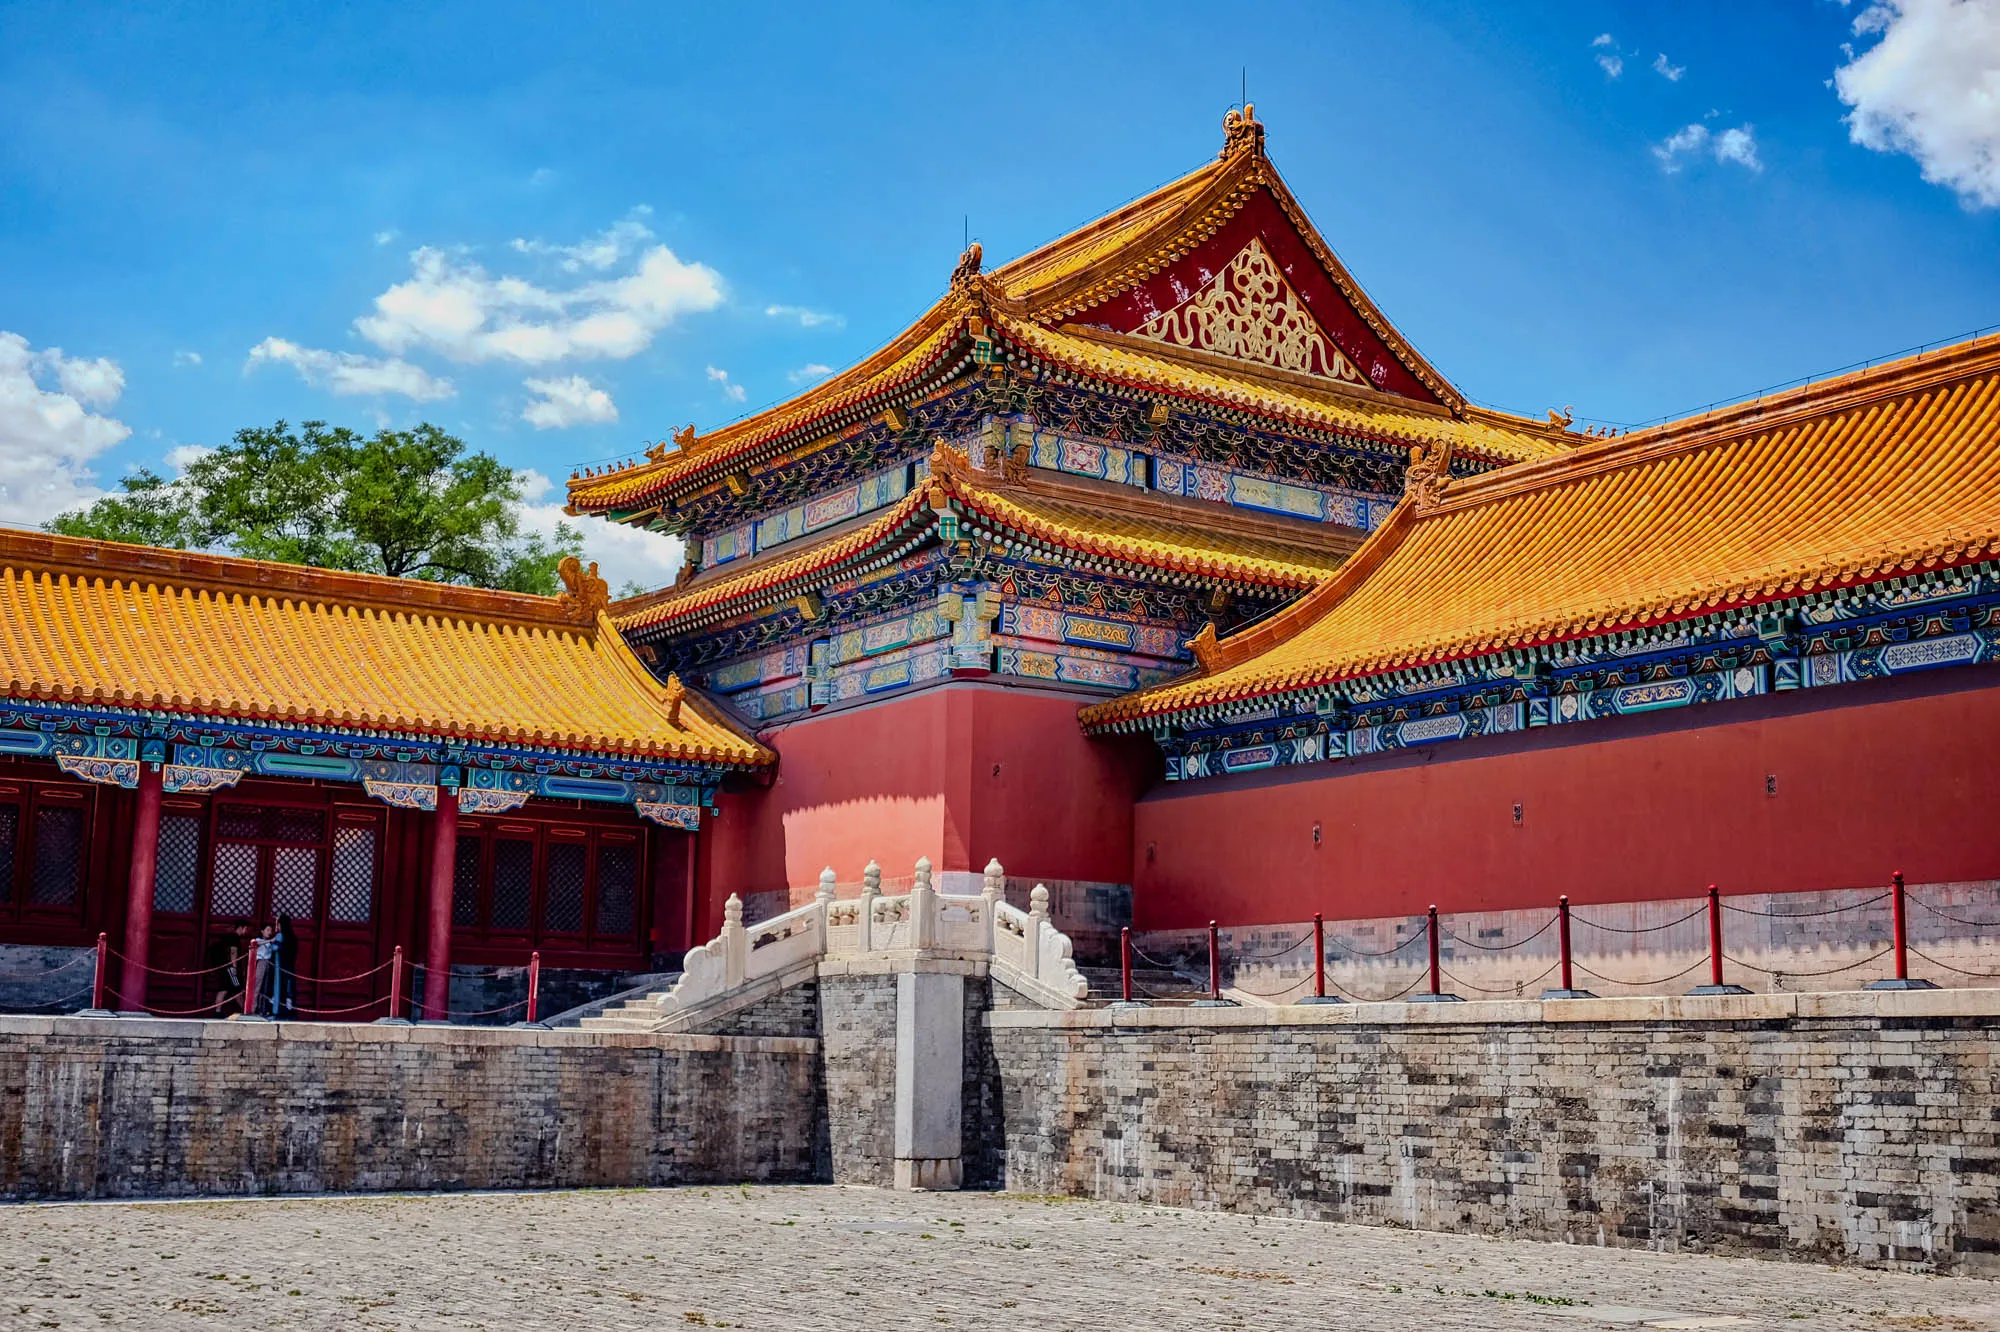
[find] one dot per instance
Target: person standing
(265, 1002)
(288, 963)
(222, 969)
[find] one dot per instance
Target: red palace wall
(1869, 778)
(961, 773)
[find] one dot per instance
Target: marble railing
(1021, 948)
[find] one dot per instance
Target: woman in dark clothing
(288, 961)
(223, 969)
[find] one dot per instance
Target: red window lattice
(513, 883)
(232, 890)
(58, 871)
(465, 884)
(617, 886)
(10, 836)
(177, 870)
(562, 898)
(351, 889)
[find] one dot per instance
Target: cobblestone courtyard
(776, 1258)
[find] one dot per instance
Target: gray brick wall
(858, 1043)
(103, 1108)
(1870, 1140)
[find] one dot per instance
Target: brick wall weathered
(1852, 1127)
(149, 1108)
(858, 1041)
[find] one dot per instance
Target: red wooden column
(139, 891)
(444, 863)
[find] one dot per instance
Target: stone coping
(361, 1033)
(1639, 1008)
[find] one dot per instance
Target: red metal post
(1214, 962)
(250, 979)
(396, 982)
(139, 891)
(1319, 956)
(1714, 937)
(444, 866)
(103, 972)
(1562, 926)
(1432, 927)
(1896, 917)
(534, 983)
(1125, 963)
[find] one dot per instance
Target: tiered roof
(1162, 540)
(133, 627)
(1876, 475)
(1078, 307)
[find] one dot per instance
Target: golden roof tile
(1881, 473)
(136, 627)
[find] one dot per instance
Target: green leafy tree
(408, 503)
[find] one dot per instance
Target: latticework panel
(10, 836)
(562, 888)
(350, 893)
(232, 891)
(58, 872)
(513, 883)
(465, 883)
(294, 880)
(617, 884)
(177, 868)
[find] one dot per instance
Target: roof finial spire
(1241, 131)
(968, 266)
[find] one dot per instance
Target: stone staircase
(1150, 985)
(634, 1010)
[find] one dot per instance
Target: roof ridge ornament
(1242, 131)
(587, 595)
(1428, 475)
(966, 274)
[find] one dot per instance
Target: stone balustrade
(1020, 949)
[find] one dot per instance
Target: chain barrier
(29, 977)
(1295, 944)
(1387, 999)
(1350, 949)
(1613, 980)
(1514, 989)
(1701, 910)
(1547, 925)
(1984, 975)
(1803, 915)
(1788, 971)
(1956, 920)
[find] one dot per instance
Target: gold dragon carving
(1251, 313)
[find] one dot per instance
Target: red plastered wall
(1869, 778)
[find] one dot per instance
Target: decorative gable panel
(1248, 311)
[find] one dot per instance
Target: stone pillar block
(930, 1071)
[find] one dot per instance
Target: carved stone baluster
(871, 888)
(1038, 917)
(824, 898)
(993, 891)
(923, 907)
(735, 943)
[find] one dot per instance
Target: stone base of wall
(45, 979)
(1840, 1127)
(125, 1108)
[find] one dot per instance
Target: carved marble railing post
(735, 943)
(824, 897)
(1038, 916)
(923, 907)
(871, 888)
(994, 891)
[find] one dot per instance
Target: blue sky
(518, 221)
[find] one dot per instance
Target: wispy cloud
(597, 252)
(561, 403)
(733, 392)
(186, 358)
(1930, 88)
(384, 237)
(350, 374)
(1737, 145)
(1670, 72)
(1608, 58)
(804, 317)
(809, 374)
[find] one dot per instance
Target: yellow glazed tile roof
(134, 627)
(1137, 531)
(1302, 404)
(1886, 472)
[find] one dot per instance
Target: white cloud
(623, 554)
(600, 251)
(810, 374)
(806, 318)
(187, 358)
(1930, 87)
(47, 437)
(1737, 145)
(733, 392)
(384, 237)
(561, 403)
(1671, 73)
(454, 307)
(182, 456)
(1603, 39)
(1608, 58)
(541, 176)
(349, 374)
